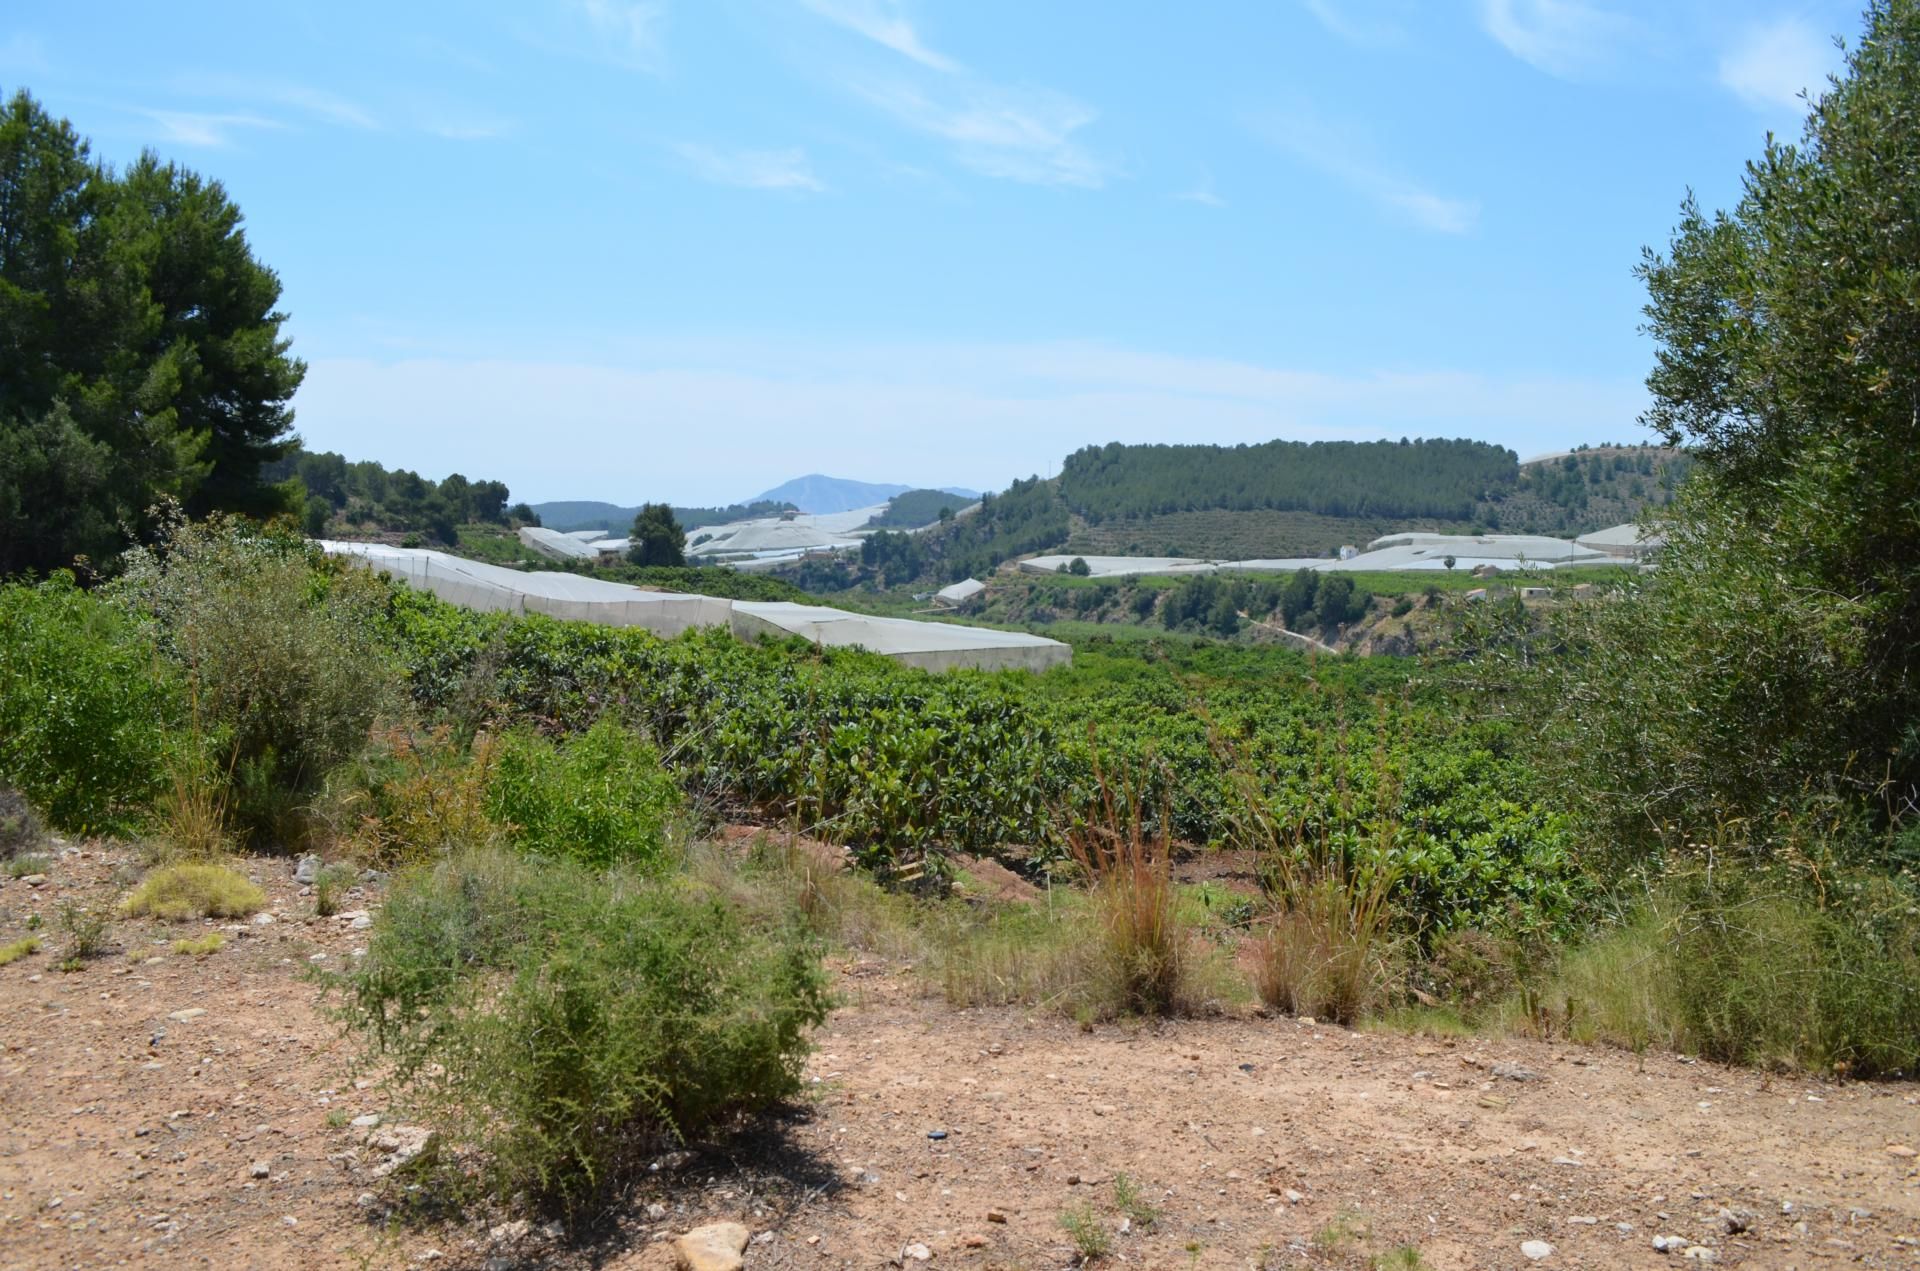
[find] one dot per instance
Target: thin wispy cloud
(455, 126)
(324, 106)
(1022, 135)
(883, 22)
(1564, 38)
(1014, 134)
(1355, 21)
(786, 169)
(627, 32)
(1202, 193)
(194, 128)
(1771, 64)
(1347, 157)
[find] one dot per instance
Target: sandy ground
(136, 1136)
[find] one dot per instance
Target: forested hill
(1287, 498)
(1443, 479)
(1470, 484)
(363, 497)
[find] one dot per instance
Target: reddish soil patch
(131, 1138)
(1234, 870)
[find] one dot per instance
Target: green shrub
(598, 798)
(84, 707)
(177, 893)
(1471, 971)
(412, 797)
(1762, 974)
(569, 1023)
(280, 658)
(1089, 1234)
(329, 885)
(86, 928)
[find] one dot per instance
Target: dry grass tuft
(1329, 950)
(19, 949)
(1146, 953)
(177, 893)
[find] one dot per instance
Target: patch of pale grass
(19, 949)
(1611, 989)
(178, 893)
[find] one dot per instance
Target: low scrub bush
(1471, 971)
(569, 1022)
(1747, 968)
(597, 798)
(412, 797)
(21, 866)
(86, 930)
(280, 653)
(779, 879)
(329, 886)
(1614, 986)
(177, 893)
(84, 707)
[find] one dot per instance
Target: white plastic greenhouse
(932, 646)
(1414, 551)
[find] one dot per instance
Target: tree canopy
(1771, 669)
(140, 347)
(370, 496)
(657, 537)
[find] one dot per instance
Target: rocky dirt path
(137, 1132)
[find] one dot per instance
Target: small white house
(960, 593)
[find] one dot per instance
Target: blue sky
(689, 248)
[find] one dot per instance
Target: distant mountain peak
(820, 494)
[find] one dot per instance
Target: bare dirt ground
(136, 1133)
